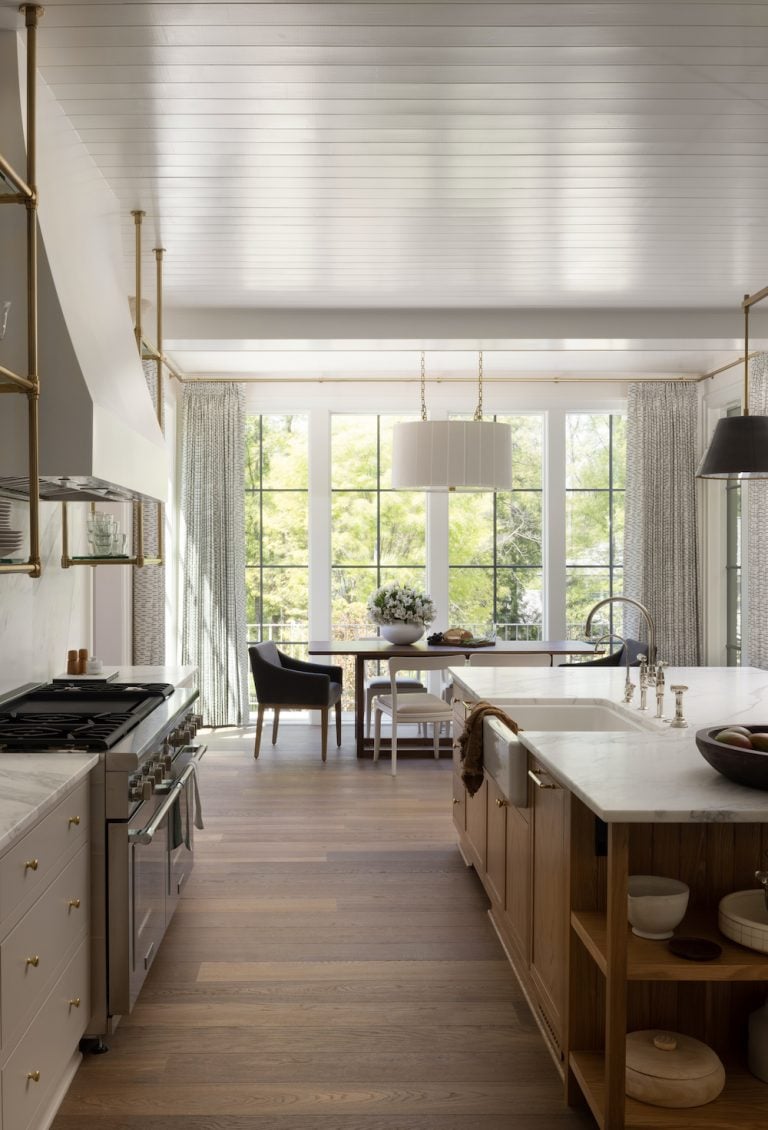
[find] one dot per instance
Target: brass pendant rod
(745, 400)
(748, 302)
(138, 216)
(159, 252)
(139, 511)
(160, 394)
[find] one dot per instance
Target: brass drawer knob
(34, 960)
(501, 803)
(31, 864)
(33, 1076)
(456, 800)
(74, 820)
(74, 904)
(74, 1002)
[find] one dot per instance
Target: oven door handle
(145, 835)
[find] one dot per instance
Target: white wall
(41, 620)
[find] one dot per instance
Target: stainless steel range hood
(99, 435)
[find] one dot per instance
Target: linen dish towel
(471, 742)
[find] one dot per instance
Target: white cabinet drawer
(37, 1065)
(28, 867)
(31, 953)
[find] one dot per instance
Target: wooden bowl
(744, 766)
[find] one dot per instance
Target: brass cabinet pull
(541, 784)
(33, 1076)
(501, 803)
(34, 960)
(31, 864)
(74, 820)
(74, 904)
(74, 1002)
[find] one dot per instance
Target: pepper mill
(679, 722)
(82, 660)
(73, 665)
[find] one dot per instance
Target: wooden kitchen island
(602, 806)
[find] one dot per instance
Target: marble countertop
(32, 783)
(656, 774)
(180, 676)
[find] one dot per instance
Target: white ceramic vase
(402, 633)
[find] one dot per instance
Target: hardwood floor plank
(331, 967)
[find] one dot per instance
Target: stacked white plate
(10, 540)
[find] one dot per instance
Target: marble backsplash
(41, 620)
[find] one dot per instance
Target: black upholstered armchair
(617, 658)
(283, 683)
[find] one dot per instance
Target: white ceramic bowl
(656, 905)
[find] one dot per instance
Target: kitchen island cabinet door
(518, 882)
(477, 828)
(549, 936)
(496, 845)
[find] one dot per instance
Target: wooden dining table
(365, 650)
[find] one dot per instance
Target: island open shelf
(743, 1105)
(652, 961)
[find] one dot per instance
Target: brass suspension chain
(479, 410)
(423, 387)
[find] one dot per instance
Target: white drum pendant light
(460, 455)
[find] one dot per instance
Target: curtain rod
(442, 380)
(730, 365)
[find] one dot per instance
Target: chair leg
(368, 700)
(376, 733)
(394, 746)
(275, 723)
(324, 724)
(436, 728)
(338, 723)
(259, 723)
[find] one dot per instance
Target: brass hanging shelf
(139, 558)
(23, 191)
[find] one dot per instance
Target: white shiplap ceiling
(446, 156)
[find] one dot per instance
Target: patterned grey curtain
(149, 582)
(214, 636)
(661, 567)
(757, 573)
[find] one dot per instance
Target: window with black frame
(595, 460)
(276, 531)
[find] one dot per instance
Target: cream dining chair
(415, 708)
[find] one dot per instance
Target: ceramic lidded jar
(671, 1070)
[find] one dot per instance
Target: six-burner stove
(144, 806)
(91, 716)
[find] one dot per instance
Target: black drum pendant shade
(739, 449)
(739, 445)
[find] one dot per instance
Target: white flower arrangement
(394, 603)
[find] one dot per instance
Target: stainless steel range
(145, 805)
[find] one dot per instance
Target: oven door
(139, 872)
(181, 829)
